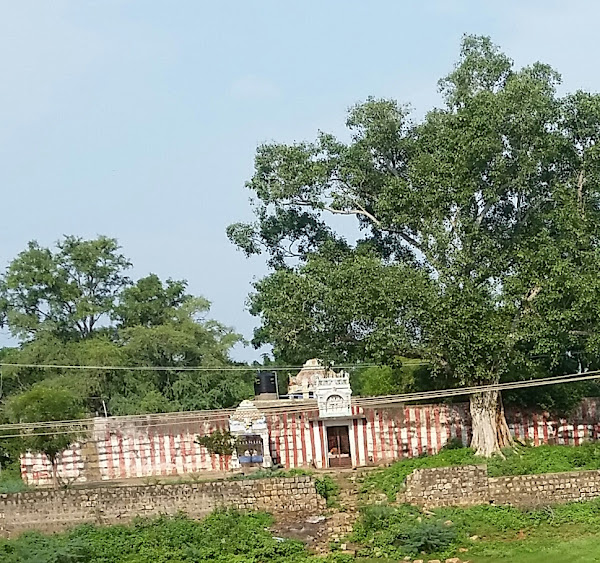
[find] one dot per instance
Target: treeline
(75, 305)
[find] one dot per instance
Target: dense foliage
(479, 228)
(75, 305)
(519, 460)
(219, 442)
(43, 404)
(225, 536)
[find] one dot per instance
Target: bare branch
(533, 293)
(580, 182)
(483, 213)
(410, 240)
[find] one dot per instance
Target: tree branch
(373, 219)
(483, 213)
(580, 182)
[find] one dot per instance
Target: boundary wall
(164, 445)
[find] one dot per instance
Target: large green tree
(66, 291)
(74, 305)
(479, 232)
(47, 404)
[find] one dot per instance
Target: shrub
(220, 442)
(328, 489)
(377, 516)
(427, 536)
(11, 482)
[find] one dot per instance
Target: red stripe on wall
(286, 447)
(183, 452)
(545, 427)
(313, 447)
(173, 467)
(526, 426)
(366, 445)
(162, 455)
(121, 456)
(303, 438)
(399, 426)
(110, 469)
(372, 423)
(203, 451)
(536, 438)
(428, 429)
(356, 461)
(409, 432)
(584, 416)
(324, 449)
(418, 428)
(273, 427)
(438, 428)
(151, 439)
(516, 430)
(294, 443)
(382, 434)
(393, 449)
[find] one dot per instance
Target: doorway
(338, 446)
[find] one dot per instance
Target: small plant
(220, 442)
(377, 516)
(328, 489)
(11, 482)
(195, 477)
(453, 444)
(427, 536)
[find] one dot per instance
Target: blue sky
(139, 119)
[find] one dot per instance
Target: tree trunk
(490, 431)
(54, 463)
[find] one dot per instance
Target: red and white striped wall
(127, 447)
(37, 470)
(376, 435)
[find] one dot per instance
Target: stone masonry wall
(55, 510)
(470, 485)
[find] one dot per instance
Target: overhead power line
(275, 409)
(198, 368)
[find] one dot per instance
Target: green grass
(498, 533)
(579, 550)
(520, 461)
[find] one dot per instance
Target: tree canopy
(479, 228)
(75, 305)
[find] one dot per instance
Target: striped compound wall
(123, 448)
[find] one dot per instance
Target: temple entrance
(338, 446)
(249, 449)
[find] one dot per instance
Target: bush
(328, 489)
(226, 536)
(11, 482)
(427, 536)
(220, 442)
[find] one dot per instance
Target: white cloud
(253, 88)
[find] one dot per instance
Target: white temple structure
(249, 427)
(334, 395)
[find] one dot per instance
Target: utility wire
(201, 368)
(274, 409)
